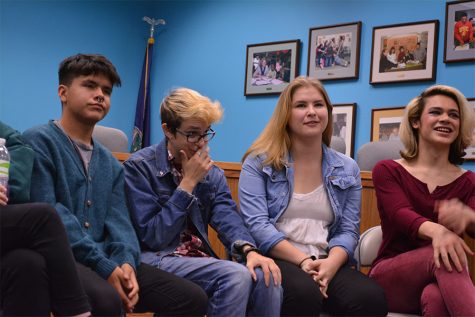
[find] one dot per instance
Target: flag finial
(152, 23)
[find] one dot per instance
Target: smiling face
(309, 114)
(178, 141)
(440, 121)
(86, 99)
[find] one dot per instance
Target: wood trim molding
(121, 156)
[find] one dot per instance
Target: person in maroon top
(426, 201)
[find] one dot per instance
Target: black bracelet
(245, 253)
(312, 257)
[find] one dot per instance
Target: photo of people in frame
(271, 68)
(389, 128)
(333, 51)
(403, 52)
(464, 30)
(339, 125)
(459, 33)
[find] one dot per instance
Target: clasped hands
(322, 271)
(123, 279)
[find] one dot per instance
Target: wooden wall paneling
(369, 207)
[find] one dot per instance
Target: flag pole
(141, 133)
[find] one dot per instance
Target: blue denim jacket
(264, 194)
(159, 211)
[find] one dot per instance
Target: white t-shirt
(306, 220)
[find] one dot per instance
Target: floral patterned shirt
(190, 244)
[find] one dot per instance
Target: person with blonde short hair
(301, 201)
(426, 202)
(175, 191)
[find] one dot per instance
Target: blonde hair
(413, 112)
(275, 141)
(184, 103)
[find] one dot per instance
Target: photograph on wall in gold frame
(385, 123)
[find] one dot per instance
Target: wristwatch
(251, 249)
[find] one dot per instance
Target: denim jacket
(265, 193)
(159, 211)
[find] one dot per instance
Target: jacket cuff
(236, 249)
(105, 267)
(182, 199)
(127, 258)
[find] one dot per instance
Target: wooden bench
(369, 208)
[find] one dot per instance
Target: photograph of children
(404, 52)
(271, 68)
(471, 149)
(459, 31)
(334, 51)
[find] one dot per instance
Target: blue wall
(203, 46)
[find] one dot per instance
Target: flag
(141, 134)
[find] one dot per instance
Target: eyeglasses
(194, 137)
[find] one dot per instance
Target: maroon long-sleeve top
(404, 203)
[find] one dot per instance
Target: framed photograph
(334, 51)
(404, 52)
(385, 123)
(471, 149)
(270, 67)
(459, 44)
(344, 116)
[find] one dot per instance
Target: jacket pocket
(343, 182)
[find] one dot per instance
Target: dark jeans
(160, 292)
(38, 273)
(350, 293)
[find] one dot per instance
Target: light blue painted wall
(203, 47)
(36, 35)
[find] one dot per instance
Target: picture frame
(343, 42)
(281, 62)
(454, 50)
(470, 151)
(404, 52)
(344, 119)
(385, 123)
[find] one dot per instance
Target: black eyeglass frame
(207, 136)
